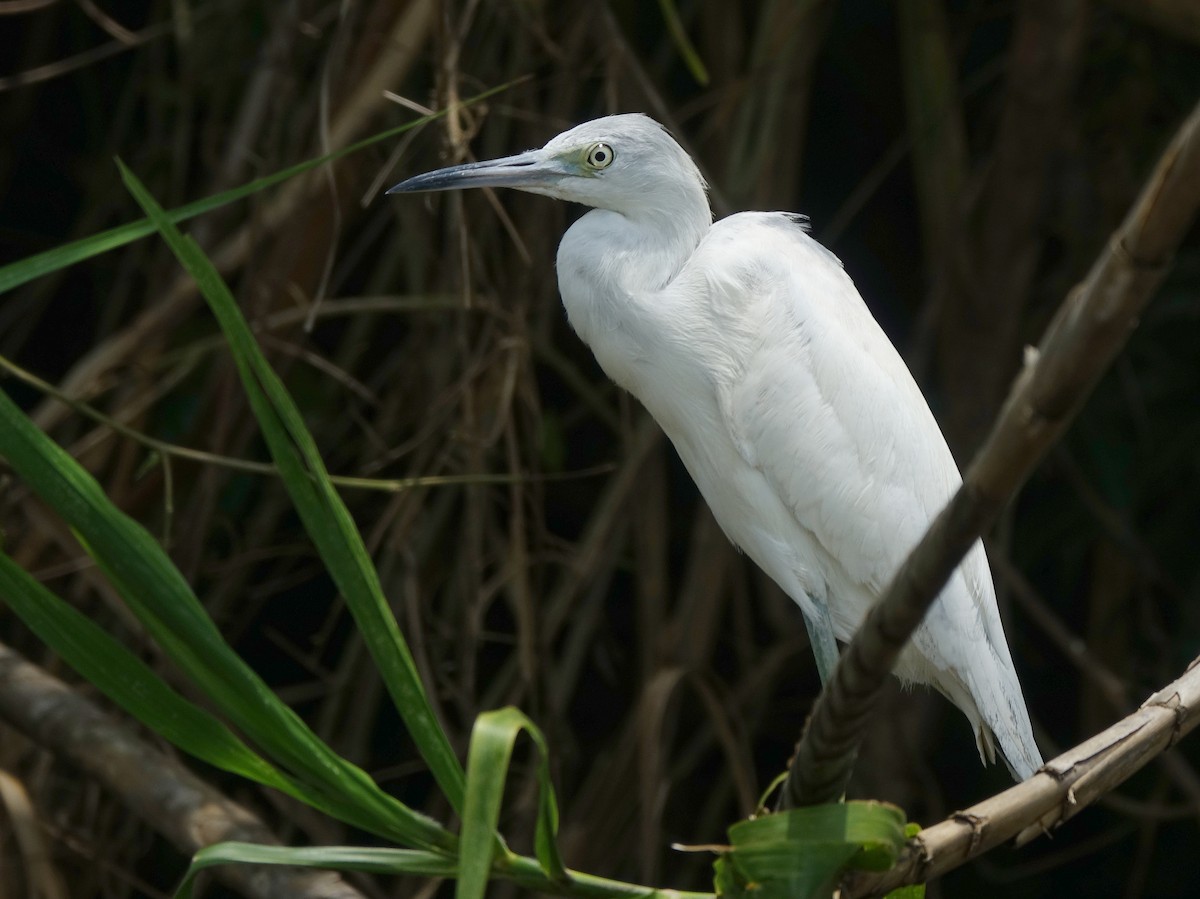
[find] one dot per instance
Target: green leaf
(406, 861)
(915, 890)
(912, 891)
(325, 516)
(782, 870)
(340, 858)
(488, 761)
(126, 679)
(799, 854)
(24, 270)
(161, 599)
(683, 43)
(131, 684)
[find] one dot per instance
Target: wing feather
(819, 401)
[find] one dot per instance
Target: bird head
(624, 163)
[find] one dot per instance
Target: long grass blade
(679, 36)
(325, 516)
(159, 596)
(488, 759)
(340, 858)
(132, 685)
(24, 270)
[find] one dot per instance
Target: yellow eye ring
(599, 156)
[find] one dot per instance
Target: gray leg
(824, 646)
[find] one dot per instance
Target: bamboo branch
(1088, 331)
(1060, 790)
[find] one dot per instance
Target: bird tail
(997, 712)
(988, 693)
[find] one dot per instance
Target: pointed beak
(535, 170)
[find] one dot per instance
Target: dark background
(967, 160)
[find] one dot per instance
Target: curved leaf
(488, 759)
(799, 854)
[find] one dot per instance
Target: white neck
(610, 267)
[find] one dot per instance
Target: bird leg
(820, 637)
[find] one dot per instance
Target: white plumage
(793, 412)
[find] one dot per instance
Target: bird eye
(599, 156)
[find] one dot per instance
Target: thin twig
(167, 450)
(85, 58)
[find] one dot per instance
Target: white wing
(828, 423)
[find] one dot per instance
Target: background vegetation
(967, 161)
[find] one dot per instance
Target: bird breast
(612, 274)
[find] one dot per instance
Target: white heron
(792, 411)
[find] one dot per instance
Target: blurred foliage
(577, 576)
